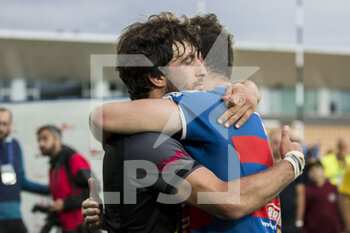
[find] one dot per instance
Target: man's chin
(198, 88)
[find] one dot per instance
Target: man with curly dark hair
(209, 28)
(205, 140)
(163, 39)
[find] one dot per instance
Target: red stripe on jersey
(194, 218)
(272, 211)
(251, 149)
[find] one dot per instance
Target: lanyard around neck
(10, 153)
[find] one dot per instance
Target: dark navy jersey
(137, 163)
(229, 153)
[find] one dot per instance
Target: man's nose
(201, 70)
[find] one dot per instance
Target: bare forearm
(112, 117)
(238, 197)
(259, 189)
(253, 191)
(158, 115)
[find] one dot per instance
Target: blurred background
(302, 50)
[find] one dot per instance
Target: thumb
(285, 133)
(284, 139)
(94, 191)
(90, 182)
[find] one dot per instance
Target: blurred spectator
(292, 197)
(69, 174)
(13, 178)
(344, 199)
(321, 209)
(335, 163)
(333, 108)
(312, 153)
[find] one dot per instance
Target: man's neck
(320, 182)
(7, 139)
(156, 93)
(57, 150)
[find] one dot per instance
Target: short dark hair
(154, 39)
(209, 28)
(6, 110)
(56, 132)
(312, 164)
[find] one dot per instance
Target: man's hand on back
(242, 100)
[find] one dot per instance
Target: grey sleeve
(166, 164)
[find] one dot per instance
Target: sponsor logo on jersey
(270, 211)
(274, 213)
(165, 163)
(269, 224)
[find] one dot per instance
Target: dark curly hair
(209, 28)
(154, 39)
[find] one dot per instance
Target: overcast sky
(268, 21)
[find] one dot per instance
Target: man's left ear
(158, 81)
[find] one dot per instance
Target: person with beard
(214, 147)
(13, 178)
(69, 174)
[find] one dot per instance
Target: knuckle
(247, 114)
(231, 110)
(232, 120)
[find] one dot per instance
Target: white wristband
(297, 159)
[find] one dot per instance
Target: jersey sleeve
(193, 109)
(172, 164)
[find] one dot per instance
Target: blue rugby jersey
(229, 153)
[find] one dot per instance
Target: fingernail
(220, 121)
(227, 125)
(237, 126)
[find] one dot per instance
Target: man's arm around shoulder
(158, 115)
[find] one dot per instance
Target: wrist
(296, 158)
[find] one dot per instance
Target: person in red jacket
(69, 174)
